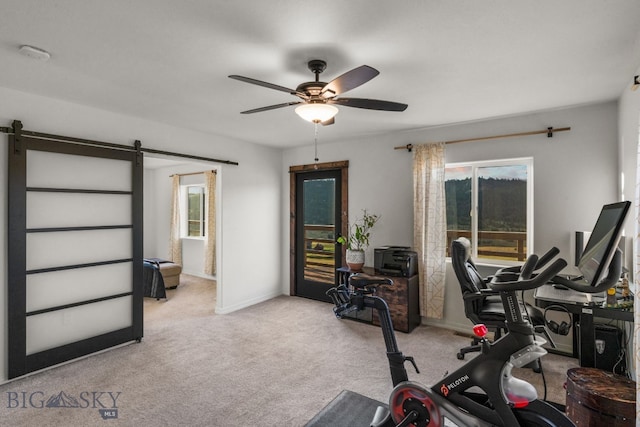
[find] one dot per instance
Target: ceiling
(450, 61)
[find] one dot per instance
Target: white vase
(355, 259)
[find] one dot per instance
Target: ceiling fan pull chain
(315, 141)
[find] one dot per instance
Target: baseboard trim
(464, 329)
(247, 303)
(199, 274)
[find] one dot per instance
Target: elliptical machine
(506, 400)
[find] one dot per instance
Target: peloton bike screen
(603, 242)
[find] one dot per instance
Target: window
(500, 193)
(195, 226)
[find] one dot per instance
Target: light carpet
(273, 364)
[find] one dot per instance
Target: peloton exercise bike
(504, 400)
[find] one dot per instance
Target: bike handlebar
(523, 277)
(346, 301)
(542, 261)
(526, 280)
(528, 267)
(615, 270)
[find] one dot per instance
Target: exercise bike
(504, 400)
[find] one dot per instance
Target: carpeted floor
(273, 364)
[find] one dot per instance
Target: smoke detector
(35, 52)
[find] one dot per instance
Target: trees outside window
(491, 203)
(195, 204)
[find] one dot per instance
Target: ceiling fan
(318, 98)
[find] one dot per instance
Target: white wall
(629, 126)
(629, 132)
(250, 194)
(575, 173)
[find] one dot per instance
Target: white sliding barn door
(75, 251)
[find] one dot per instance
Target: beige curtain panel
(430, 227)
(175, 244)
(210, 233)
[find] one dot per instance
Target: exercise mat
(348, 409)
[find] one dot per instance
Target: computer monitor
(603, 242)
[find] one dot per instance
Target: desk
(582, 310)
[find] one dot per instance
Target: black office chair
(481, 304)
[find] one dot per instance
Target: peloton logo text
(445, 389)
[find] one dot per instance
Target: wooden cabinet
(402, 299)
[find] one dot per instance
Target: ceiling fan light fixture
(316, 112)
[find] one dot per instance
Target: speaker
(608, 349)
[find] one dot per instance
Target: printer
(395, 261)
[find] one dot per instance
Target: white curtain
(430, 226)
(175, 245)
(210, 227)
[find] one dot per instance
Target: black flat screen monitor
(603, 242)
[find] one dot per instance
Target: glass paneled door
(318, 224)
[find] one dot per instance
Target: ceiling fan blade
(270, 107)
(349, 80)
(331, 121)
(369, 104)
(267, 85)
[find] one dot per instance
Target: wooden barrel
(600, 398)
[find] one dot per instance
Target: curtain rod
(549, 131)
(191, 173)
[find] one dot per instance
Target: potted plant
(358, 239)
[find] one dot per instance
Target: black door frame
(343, 167)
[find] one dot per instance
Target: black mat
(348, 409)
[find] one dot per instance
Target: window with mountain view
(491, 204)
